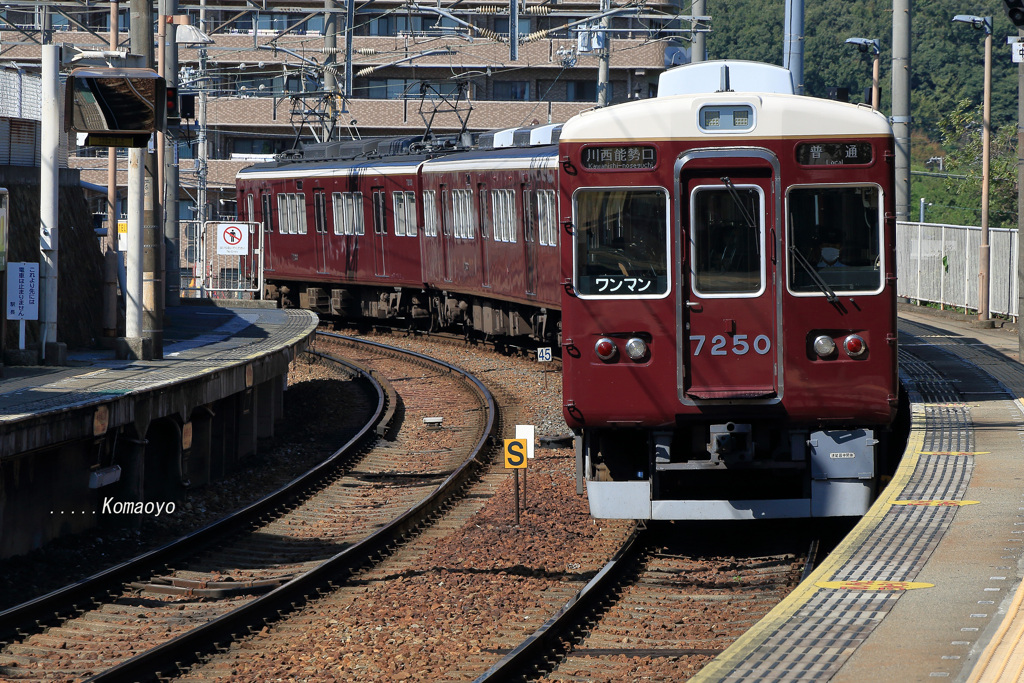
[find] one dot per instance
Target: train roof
(324, 168)
(725, 74)
(499, 158)
(774, 115)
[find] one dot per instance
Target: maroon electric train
(716, 263)
(730, 333)
(428, 234)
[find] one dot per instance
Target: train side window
(405, 213)
(320, 212)
(398, 199)
(380, 225)
(268, 212)
(299, 207)
(430, 213)
(462, 213)
(503, 209)
(547, 218)
(726, 238)
(621, 242)
(836, 234)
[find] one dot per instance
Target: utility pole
(901, 104)
(793, 57)
(168, 148)
(109, 247)
(513, 30)
(202, 154)
(48, 195)
(604, 57)
(697, 47)
(143, 322)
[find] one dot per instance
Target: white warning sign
(231, 239)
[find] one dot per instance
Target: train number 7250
(740, 346)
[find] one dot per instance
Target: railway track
(145, 616)
(667, 604)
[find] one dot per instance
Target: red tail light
(605, 348)
(855, 346)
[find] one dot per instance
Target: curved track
(341, 515)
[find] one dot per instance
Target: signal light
(855, 346)
(173, 115)
(1015, 10)
(605, 349)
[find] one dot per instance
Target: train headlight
(605, 348)
(824, 346)
(636, 348)
(855, 346)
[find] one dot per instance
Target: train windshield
(622, 242)
(726, 238)
(834, 238)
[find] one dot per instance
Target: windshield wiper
(738, 201)
(829, 293)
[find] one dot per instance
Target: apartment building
(272, 77)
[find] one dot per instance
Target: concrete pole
(330, 47)
(171, 227)
(793, 56)
(698, 51)
(134, 249)
(49, 182)
(147, 242)
(109, 246)
(350, 18)
(984, 252)
(1020, 204)
(202, 154)
(513, 30)
(604, 58)
(875, 90)
(901, 104)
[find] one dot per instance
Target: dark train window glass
(834, 237)
(622, 242)
(727, 240)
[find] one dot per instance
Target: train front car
(729, 304)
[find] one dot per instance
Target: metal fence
(938, 263)
(207, 272)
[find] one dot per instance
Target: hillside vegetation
(947, 81)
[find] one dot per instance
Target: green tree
(961, 131)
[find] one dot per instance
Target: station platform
(929, 583)
(130, 426)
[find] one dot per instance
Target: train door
(320, 229)
(446, 234)
(485, 247)
(529, 239)
(267, 219)
(380, 231)
(728, 214)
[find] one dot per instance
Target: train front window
(834, 236)
(621, 242)
(726, 238)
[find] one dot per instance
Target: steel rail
(174, 655)
(46, 609)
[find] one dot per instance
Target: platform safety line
(996, 643)
(770, 623)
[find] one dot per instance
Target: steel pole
(984, 253)
(49, 182)
(901, 104)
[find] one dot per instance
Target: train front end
(729, 324)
